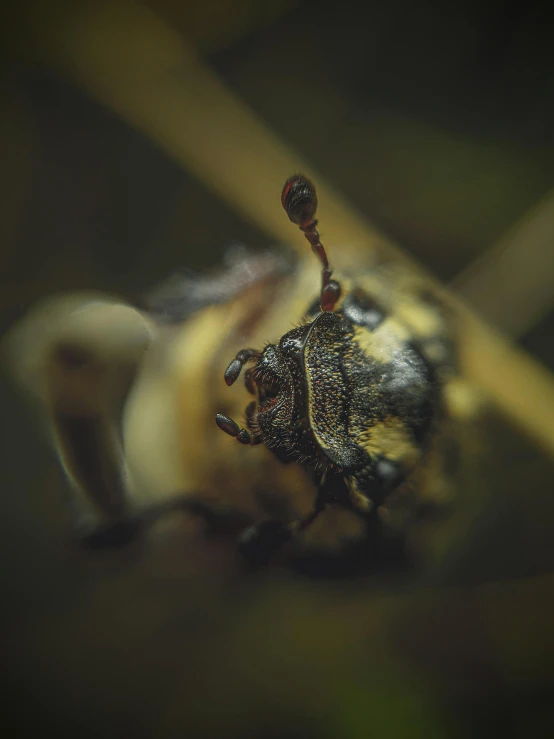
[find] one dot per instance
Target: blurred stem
(512, 282)
(127, 58)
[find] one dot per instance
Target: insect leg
(258, 543)
(233, 429)
(217, 520)
(234, 369)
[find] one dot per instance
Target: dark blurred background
(437, 122)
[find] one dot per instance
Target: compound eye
(291, 344)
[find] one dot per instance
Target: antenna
(299, 199)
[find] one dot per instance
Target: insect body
(347, 412)
(350, 394)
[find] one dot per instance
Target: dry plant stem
(512, 282)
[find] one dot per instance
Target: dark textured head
(301, 411)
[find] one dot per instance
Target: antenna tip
(299, 199)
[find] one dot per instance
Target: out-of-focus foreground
(438, 128)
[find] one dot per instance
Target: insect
(351, 394)
(350, 419)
